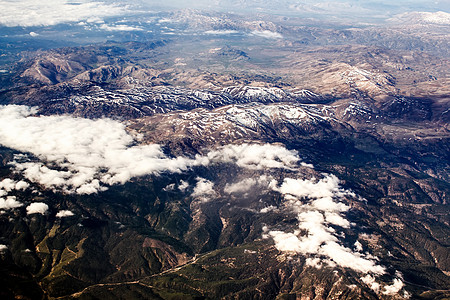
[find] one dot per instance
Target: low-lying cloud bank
(267, 34)
(85, 156)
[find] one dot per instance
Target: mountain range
(242, 158)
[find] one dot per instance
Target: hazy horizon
(28, 13)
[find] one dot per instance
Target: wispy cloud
(120, 27)
(267, 34)
(248, 184)
(416, 17)
(221, 32)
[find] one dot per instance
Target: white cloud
(183, 185)
(92, 152)
(52, 12)
(9, 203)
(417, 17)
(83, 156)
(314, 262)
(336, 219)
(268, 209)
(344, 257)
(327, 204)
(64, 213)
(394, 288)
(267, 34)
(7, 184)
(221, 32)
(37, 208)
(324, 188)
(203, 189)
(22, 185)
(248, 184)
(317, 205)
(120, 27)
(34, 34)
(286, 241)
(358, 246)
(257, 157)
(169, 187)
(371, 282)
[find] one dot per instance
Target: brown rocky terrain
(371, 111)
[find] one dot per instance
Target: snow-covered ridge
(417, 17)
(144, 101)
(237, 122)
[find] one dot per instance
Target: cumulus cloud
(336, 219)
(371, 282)
(169, 187)
(37, 208)
(345, 257)
(52, 12)
(8, 185)
(183, 185)
(358, 246)
(203, 189)
(22, 185)
(318, 206)
(267, 34)
(320, 240)
(394, 288)
(84, 156)
(9, 203)
(390, 290)
(325, 187)
(256, 157)
(64, 214)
